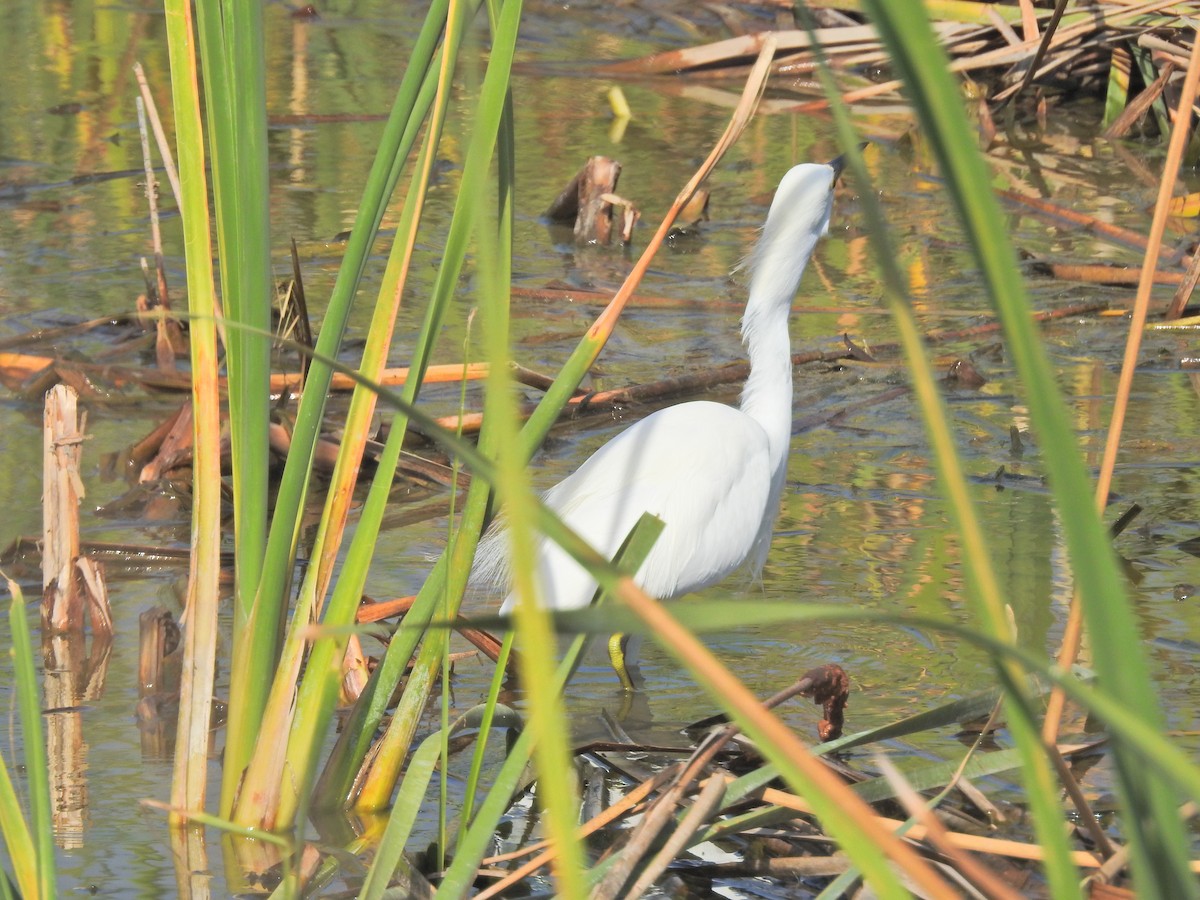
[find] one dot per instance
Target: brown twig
(1047, 36)
(1087, 818)
(1090, 224)
(1105, 273)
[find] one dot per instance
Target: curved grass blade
(1156, 836)
(983, 586)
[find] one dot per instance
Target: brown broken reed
(173, 438)
(355, 672)
(74, 675)
(961, 847)
(70, 584)
(378, 610)
(657, 813)
(295, 324)
(588, 203)
(985, 44)
(158, 639)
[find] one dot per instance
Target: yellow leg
(616, 656)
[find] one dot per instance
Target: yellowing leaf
(1187, 206)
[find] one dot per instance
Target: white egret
(713, 473)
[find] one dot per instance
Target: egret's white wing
(702, 467)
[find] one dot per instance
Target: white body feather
(714, 474)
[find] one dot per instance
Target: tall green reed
(196, 687)
(28, 831)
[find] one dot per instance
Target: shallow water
(862, 522)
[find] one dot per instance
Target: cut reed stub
(589, 201)
(68, 588)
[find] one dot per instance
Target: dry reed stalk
(174, 447)
(583, 204)
(66, 749)
(168, 335)
(1108, 273)
(160, 136)
(973, 842)
(857, 45)
(1137, 107)
(705, 805)
(158, 639)
(1090, 224)
(435, 374)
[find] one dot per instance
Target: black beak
(839, 164)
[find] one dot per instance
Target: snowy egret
(713, 473)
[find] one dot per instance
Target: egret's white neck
(767, 395)
(777, 264)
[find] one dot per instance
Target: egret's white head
(799, 215)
